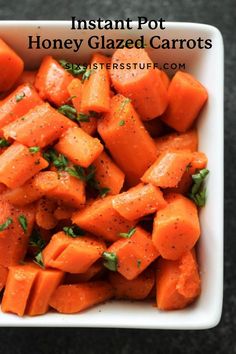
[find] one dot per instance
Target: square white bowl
(207, 66)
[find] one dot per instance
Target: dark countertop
(220, 340)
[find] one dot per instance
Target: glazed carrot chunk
(145, 87)
(39, 127)
(186, 98)
(79, 147)
(176, 227)
(18, 164)
(139, 201)
(3, 276)
(52, 81)
(11, 66)
(134, 254)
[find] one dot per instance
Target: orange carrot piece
(45, 214)
(134, 254)
(136, 289)
(96, 89)
(52, 81)
(178, 282)
(139, 201)
(176, 227)
(107, 174)
(165, 78)
(27, 77)
(186, 98)
(73, 255)
(198, 162)
(19, 284)
(33, 189)
(78, 297)
(3, 188)
(39, 127)
(144, 86)
(101, 219)
(94, 271)
(14, 240)
(44, 286)
(79, 147)
(127, 140)
(62, 212)
(177, 141)
(11, 66)
(75, 90)
(17, 104)
(3, 276)
(69, 190)
(18, 164)
(155, 127)
(168, 169)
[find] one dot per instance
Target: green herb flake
(34, 149)
(74, 69)
(23, 222)
(36, 241)
(198, 192)
(76, 171)
(139, 262)
(6, 224)
(124, 103)
(4, 143)
(68, 111)
(87, 74)
(110, 261)
(103, 192)
(58, 160)
(39, 260)
(19, 97)
(82, 117)
(121, 123)
(128, 234)
(73, 231)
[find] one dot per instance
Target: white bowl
(207, 66)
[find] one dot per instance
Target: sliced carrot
(43, 287)
(177, 141)
(96, 89)
(41, 126)
(101, 219)
(45, 214)
(62, 212)
(78, 297)
(73, 255)
(11, 66)
(136, 289)
(3, 276)
(14, 239)
(176, 227)
(18, 164)
(134, 254)
(107, 174)
(75, 90)
(127, 140)
(144, 86)
(79, 147)
(186, 98)
(94, 271)
(168, 169)
(178, 282)
(19, 284)
(139, 201)
(69, 190)
(165, 78)
(3, 188)
(52, 81)
(17, 104)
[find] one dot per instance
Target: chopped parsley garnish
(74, 69)
(6, 224)
(23, 222)
(82, 117)
(87, 74)
(110, 261)
(128, 234)
(4, 143)
(19, 97)
(103, 192)
(77, 171)
(34, 149)
(36, 241)
(121, 123)
(58, 160)
(68, 111)
(73, 231)
(198, 192)
(139, 262)
(39, 260)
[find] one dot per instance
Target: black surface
(221, 14)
